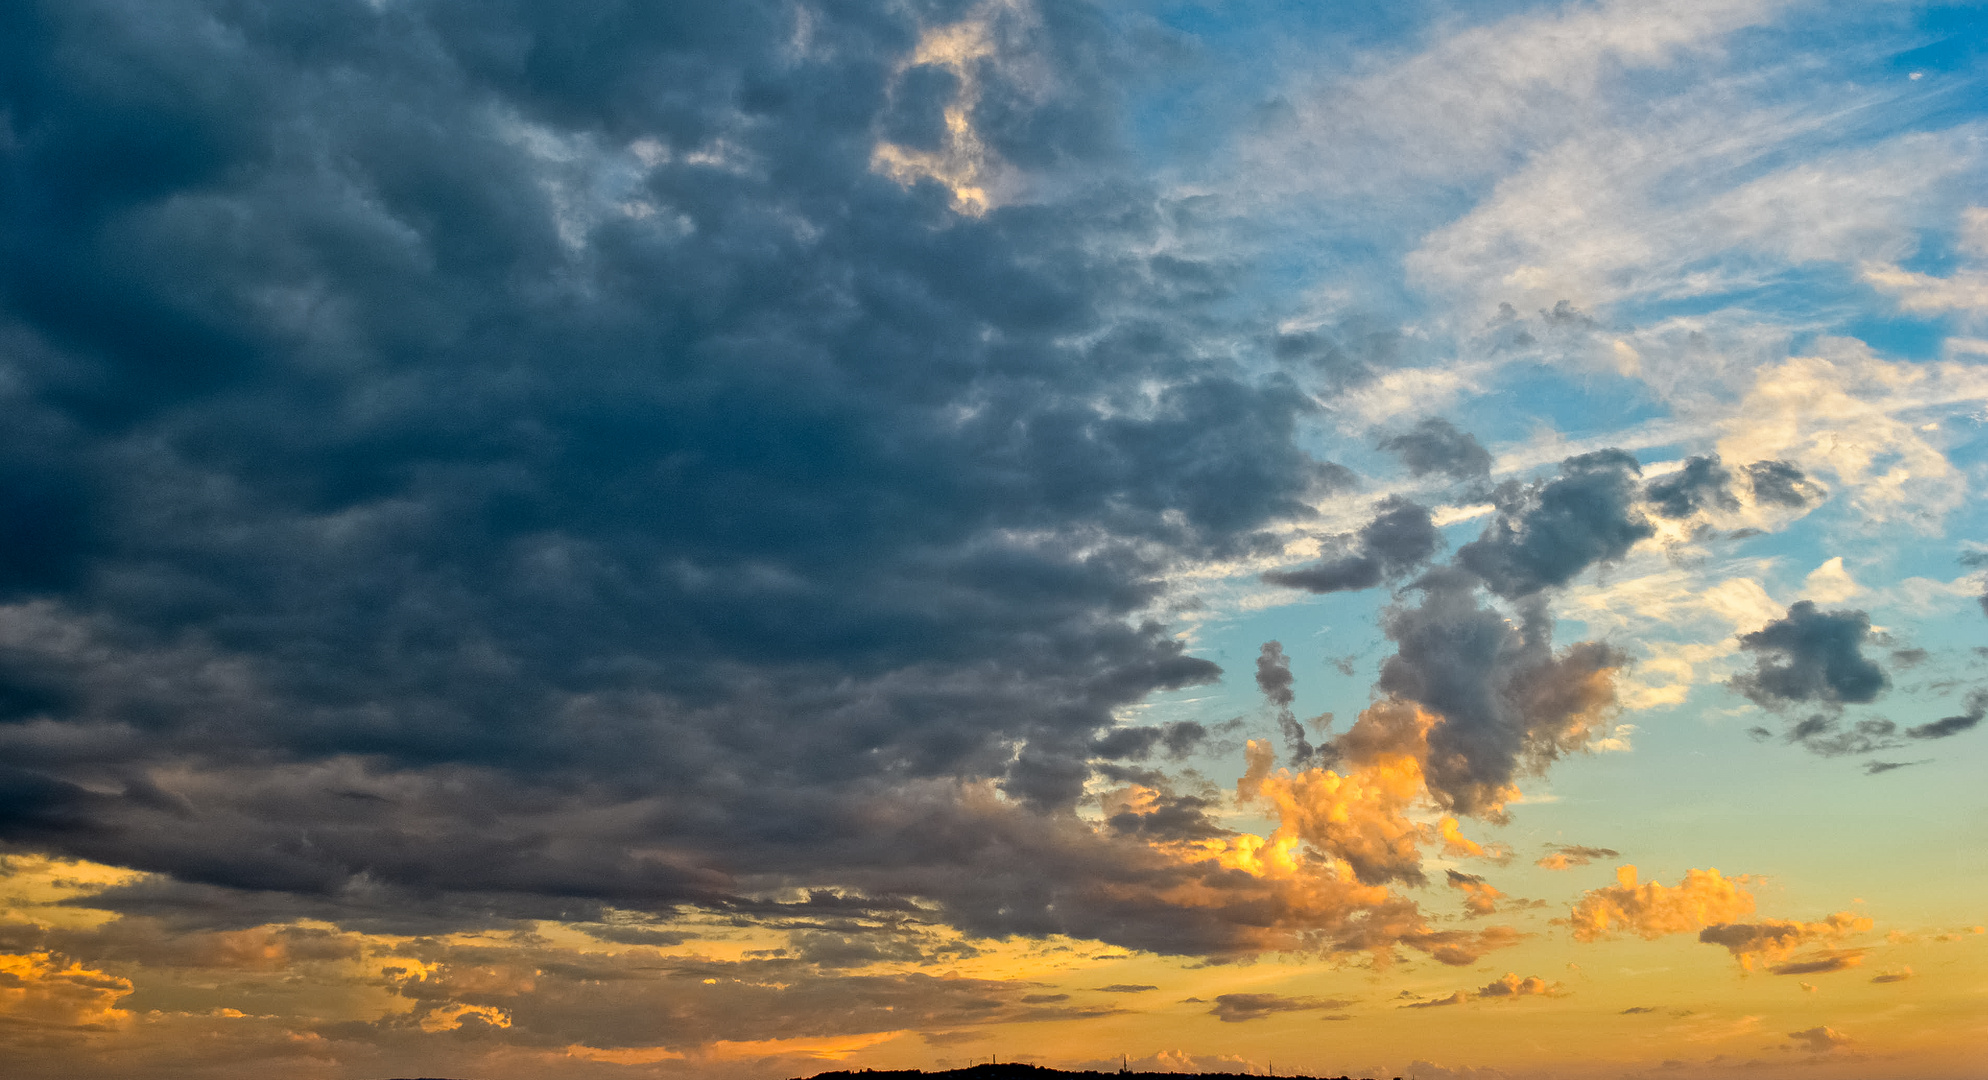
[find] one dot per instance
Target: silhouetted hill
(1004, 1071)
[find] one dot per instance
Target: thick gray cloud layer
(515, 458)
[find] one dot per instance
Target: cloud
(1400, 537)
(1125, 988)
(1236, 1008)
(1899, 975)
(1782, 484)
(1702, 482)
(1545, 534)
(1434, 445)
(1509, 987)
(1773, 939)
(1820, 1040)
(595, 452)
(1568, 856)
(1273, 677)
(1652, 910)
(1812, 656)
(1506, 703)
(1948, 726)
(1821, 965)
(1479, 896)
(58, 998)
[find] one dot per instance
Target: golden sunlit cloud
(1653, 910)
(1769, 940)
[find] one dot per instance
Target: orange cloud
(1703, 898)
(1770, 940)
(48, 991)
(1510, 987)
(1479, 896)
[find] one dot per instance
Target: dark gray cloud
(1973, 709)
(1400, 538)
(1829, 736)
(1568, 856)
(1702, 482)
(453, 449)
(1273, 677)
(1435, 445)
(1508, 702)
(1814, 657)
(1546, 533)
(1782, 483)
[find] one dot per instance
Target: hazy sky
(727, 539)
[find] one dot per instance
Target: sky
(724, 540)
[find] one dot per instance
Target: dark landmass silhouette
(1017, 1071)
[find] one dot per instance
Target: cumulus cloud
(1812, 656)
(1820, 1040)
(1510, 987)
(1702, 482)
(1400, 537)
(1545, 534)
(1434, 445)
(1772, 940)
(1480, 897)
(1507, 703)
(1652, 910)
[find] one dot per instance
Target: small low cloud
(1568, 856)
(1237, 1008)
(1509, 987)
(1125, 988)
(1820, 1040)
(1773, 941)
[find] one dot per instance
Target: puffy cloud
(1897, 975)
(1400, 537)
(1820, 1040)
(1568, 856)
(1652, 910)
(1480, 897)
(1782, 484)
(1509, 987)
(1236, 1008)
(1545, 534)
(1771, 940)
(1812, 656)
(1505, 702)
(1702, 482)
(49, 993)
(1434, 445)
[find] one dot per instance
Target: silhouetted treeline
(1013, 1071)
